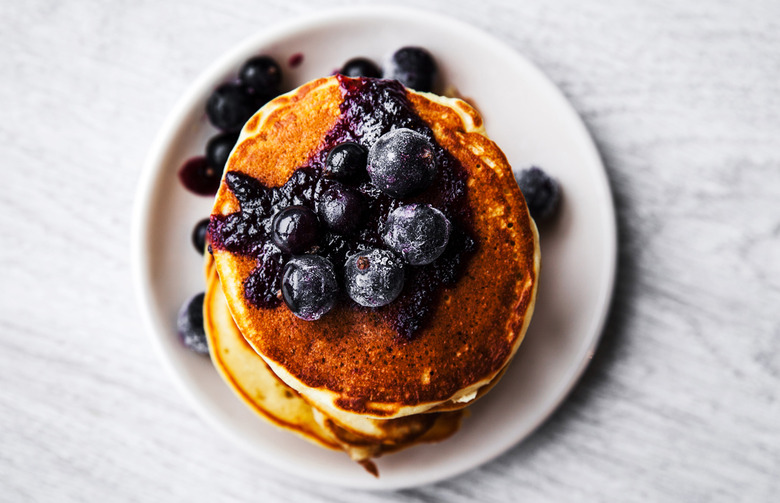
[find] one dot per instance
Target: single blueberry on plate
(346, 161)
(295, 229)
(413, 67)
(199, 176)
(218, 149)
(309, 286)
(402, 163)
(541, 192)
(374, 277)
(417, 232)
(262, 74)
(360, 67)
(230, 106)
(199, 234)
(341, 208)
(189, 325)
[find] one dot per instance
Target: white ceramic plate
(532, 122)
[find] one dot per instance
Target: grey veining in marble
(682, 400)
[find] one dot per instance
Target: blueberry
(309, 286)
(374, 277)
(360, 67)
(341, 208)
(199, 176)
(262, 74)
(542, 193)
(346, 161)
(417, 232)
(218, 149)
(414, 67)
(295, 229)
(199, 235)
(189, 325)
(230, 106)
(401, 163)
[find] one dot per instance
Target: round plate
(527, 117)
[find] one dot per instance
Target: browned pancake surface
(252, 380)
(474, 328)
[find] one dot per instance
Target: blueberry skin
(230, 106)
(309, 286)
(402, 163)
(417, 232)
(541, 192)
(360, 67)
(413, 67)
(341, 208)
(295, 229)
(346, 161)
(374, 277)
(199, 235)
(262, 74)
(189, 325)
(198, 176)
(218, 149)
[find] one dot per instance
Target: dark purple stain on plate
(295, 60)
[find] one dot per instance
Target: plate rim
(150, 180)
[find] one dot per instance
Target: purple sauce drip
(371, 108)
(295, 60)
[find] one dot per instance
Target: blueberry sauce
(371, 108)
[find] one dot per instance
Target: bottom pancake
(257, 386)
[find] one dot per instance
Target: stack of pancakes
(348, 381)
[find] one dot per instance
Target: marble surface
(682, 399)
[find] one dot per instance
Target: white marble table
(682, 400)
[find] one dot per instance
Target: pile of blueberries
(400, 164)
(259, 80)
(228, 108)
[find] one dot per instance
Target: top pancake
(351, 362)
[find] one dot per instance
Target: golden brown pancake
(259, 388)
(351, 364)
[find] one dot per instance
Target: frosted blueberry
(341, 208)
(417, 232)
(189, 325)
(413, 67)
(374, 277)
(541, 192)
(309, 286)
(401, 163)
